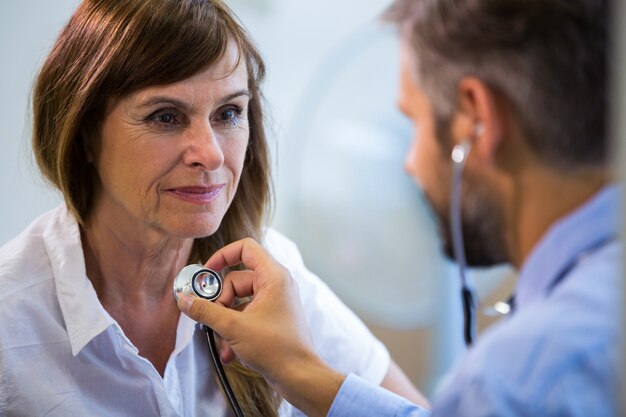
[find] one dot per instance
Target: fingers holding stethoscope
(247, 252)
(261, 270)
(274, 312)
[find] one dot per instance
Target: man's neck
(541, 197)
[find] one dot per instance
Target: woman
(148, 119)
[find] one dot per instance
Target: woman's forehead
(227, 76)
(232, 60)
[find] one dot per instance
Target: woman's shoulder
(286, 252)
(340, 336)
(312, 287)
(24, 259)
(283, 249)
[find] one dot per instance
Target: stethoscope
(198, 281)
(469, 300)
(459, 157)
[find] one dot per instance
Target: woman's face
(170, 157)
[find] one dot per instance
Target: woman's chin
(195, 230)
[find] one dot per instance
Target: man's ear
(480, 118)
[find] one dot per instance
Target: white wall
(27, 30)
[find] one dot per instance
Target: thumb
(213, 315)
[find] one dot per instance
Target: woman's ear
(480, 118)
(87, 138)
(88, 154)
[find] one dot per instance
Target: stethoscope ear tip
(460, 152)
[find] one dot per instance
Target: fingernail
(184, 302)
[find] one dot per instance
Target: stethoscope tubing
(459, 156)
(219, 370)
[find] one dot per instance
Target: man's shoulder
(535, 371)
(573, 320)
(571, 325)
(569, 339)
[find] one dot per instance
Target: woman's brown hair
(111, 48)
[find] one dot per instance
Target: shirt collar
(83, 314)
(598, 220)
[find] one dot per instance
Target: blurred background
(338, 147)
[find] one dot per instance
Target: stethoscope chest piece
(198, 281)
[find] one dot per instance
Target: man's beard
(482, 221)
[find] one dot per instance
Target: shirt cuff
(358, 397)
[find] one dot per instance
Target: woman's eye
(230, 116)
(164, 118)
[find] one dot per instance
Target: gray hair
(547, 58)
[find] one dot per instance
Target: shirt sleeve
(357, 397)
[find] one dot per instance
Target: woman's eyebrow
(235, 95)
(154, 100)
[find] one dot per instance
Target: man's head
(531, 73)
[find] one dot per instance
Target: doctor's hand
(268, 334)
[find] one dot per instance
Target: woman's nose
(202, 148)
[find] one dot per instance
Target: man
(521, 86)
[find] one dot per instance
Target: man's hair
(111, 48)
(547, 58)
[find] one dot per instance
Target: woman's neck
(124, 266)
(133, 274)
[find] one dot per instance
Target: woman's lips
(197, 194)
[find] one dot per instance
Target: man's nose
(410, 159)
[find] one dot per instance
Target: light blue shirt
(558, 354)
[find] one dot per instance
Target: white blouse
(62, 354)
